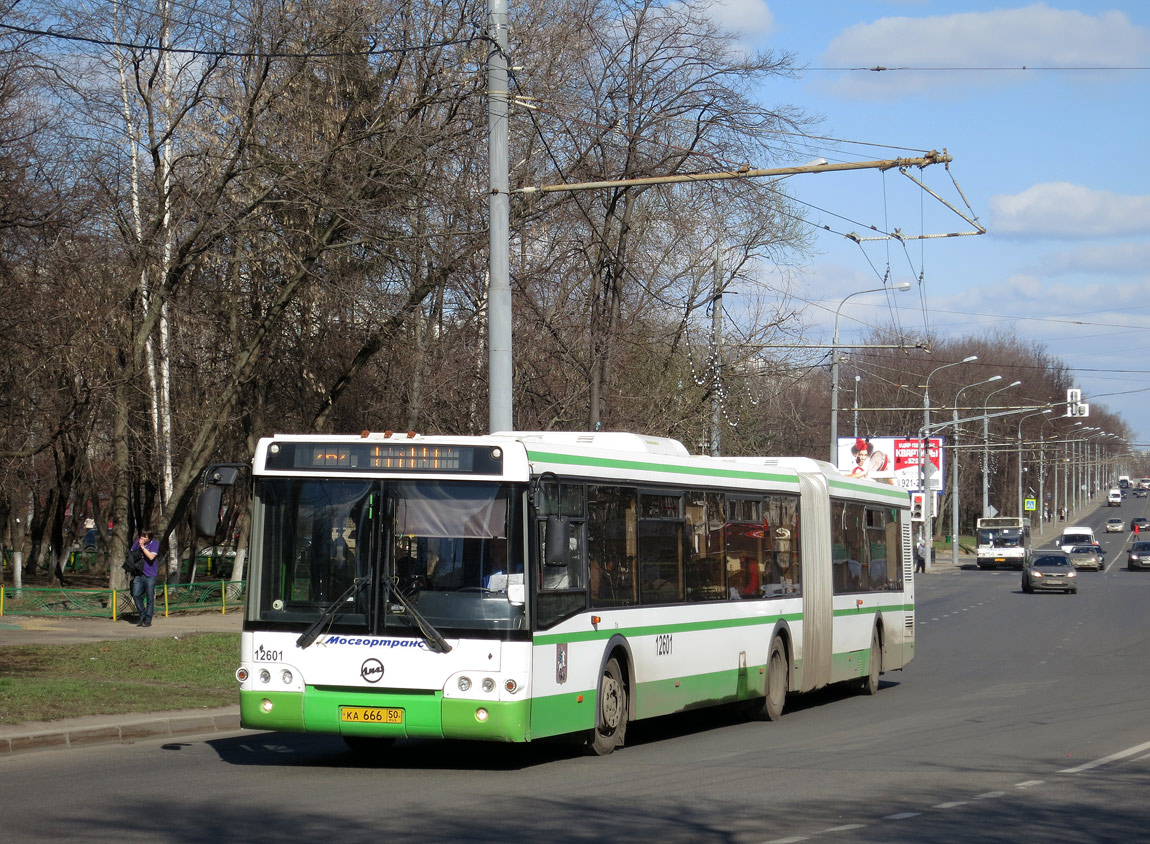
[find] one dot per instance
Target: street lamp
(902, 285)
(954, 471)
(954, 490)
(1020, 421)
(1093, 478)
(1080, 465)
(924, 459)
(1042, 469)
(986, 447)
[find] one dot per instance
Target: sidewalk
(124, 727)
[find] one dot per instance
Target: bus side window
(703, 513)
(611, 545)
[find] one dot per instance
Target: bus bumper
(424, 715)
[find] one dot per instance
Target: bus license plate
(371, 714)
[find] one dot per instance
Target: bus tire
(770, 708)
(611, 723)
(869, 684)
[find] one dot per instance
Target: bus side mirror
(558, 550)
(208, 511)
(208, 507)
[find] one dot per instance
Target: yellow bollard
(165, 598)
(1, 600)
(114, 600)
(223, 598)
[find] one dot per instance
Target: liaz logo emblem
(371, 670)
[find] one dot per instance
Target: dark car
(1139, 556)
(1050, 571)
(1087, 557)
(1141, 522)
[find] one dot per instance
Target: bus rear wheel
(611, 722)
(869, 684)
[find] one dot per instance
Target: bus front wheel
(611, 722)
(770, 708)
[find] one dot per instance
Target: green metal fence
(221, 596)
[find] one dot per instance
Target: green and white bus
(523, 585)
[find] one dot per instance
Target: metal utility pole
(717, 352)
(499, 362)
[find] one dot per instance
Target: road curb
(116, 729)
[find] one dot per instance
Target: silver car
(1087, 557)
(1050, 571)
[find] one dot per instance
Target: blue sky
(1052, 159)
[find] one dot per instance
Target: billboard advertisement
(891, 460)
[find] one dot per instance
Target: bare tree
(645, 90)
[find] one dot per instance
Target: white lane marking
(1028, 783)
(844, 828)
(902, 816)
(949, 805)
(987, 794)
(790, 840)
(1113, 757)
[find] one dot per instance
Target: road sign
(1029, 505)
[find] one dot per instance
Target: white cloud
(1031, 36)
(1115, 259)
(1061, 209)
(752, 19)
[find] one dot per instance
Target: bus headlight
(511, 686)
(266, 705)
(464, 683)
(488, 685)
(265, 676)
(481, 715)
(242, 674)
(286, 677)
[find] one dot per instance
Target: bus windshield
(453, 549)
(1000, 537)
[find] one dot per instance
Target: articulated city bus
(524, 585)
(1003, 541)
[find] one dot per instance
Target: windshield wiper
(433, 637)
(328, 615)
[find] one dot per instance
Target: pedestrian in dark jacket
(144, 585)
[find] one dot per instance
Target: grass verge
(49, 682)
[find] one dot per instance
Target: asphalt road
(1022, 719)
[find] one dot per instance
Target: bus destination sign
(371, 457)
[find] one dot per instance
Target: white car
(1115, 526)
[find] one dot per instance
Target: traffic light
(916, 499)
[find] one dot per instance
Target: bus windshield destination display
(371, 457)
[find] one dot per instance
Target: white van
(1114, 499)
(1079, 535)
